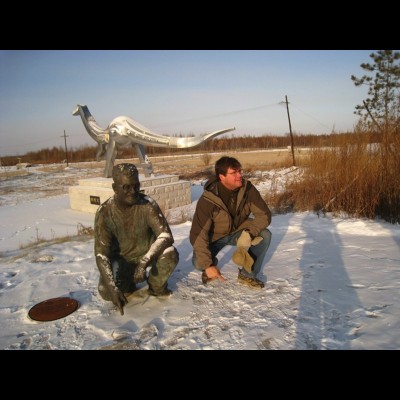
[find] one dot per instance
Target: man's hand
(214, 273)
(140, 271)
(118, 299)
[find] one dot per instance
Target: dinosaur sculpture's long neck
(95, 131)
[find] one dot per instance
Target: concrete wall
(167, 190)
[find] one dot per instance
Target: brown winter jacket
(212, 221)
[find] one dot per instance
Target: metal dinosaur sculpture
(124, 131)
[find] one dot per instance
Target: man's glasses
(237, 172)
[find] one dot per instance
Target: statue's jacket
(130, 233)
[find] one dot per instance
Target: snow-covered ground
(331, 283)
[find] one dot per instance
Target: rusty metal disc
(52, 309)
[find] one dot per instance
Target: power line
(215, 115)
(308, 115)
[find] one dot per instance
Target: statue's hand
(140, 272)
(119, 300)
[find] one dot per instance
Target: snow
(331, 283)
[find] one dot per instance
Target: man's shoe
(164, 293)
(250, 281)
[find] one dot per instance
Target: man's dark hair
(124, 169)
(222, 165)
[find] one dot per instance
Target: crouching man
(232, 212)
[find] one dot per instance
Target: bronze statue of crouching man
(132, 234)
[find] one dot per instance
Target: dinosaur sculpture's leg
(101, 149)
(145, 163)
(110, 158)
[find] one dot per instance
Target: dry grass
(7, 173)
(83, 233)
(357, 179)
(252, 161)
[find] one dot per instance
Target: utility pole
(290, 130)
(66, 151)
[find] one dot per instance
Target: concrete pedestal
(167, 190)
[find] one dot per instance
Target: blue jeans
(257, 252)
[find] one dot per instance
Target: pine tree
(382, 107)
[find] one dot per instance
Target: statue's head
(125, 169)
(126, 184)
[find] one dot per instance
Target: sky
(175, 92)
(331, 283)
